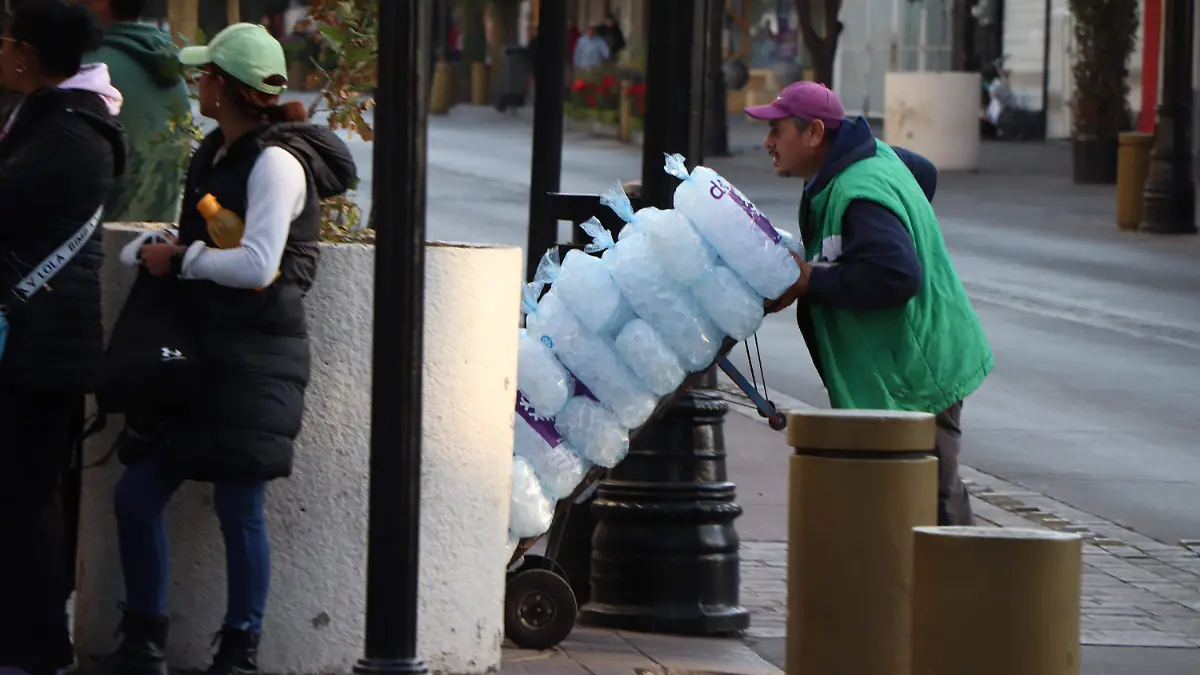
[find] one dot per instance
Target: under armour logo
(169, 354)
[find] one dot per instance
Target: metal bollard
(860, 481)
(991, 601)
(442, 89)
(479, 83)
(1133, 165)
(624, 123)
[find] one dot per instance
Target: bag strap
(56, 261)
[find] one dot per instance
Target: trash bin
(515, 69)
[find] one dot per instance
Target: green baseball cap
(244, 50)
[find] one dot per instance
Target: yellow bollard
(861, 480)
(479, 83)
(1133, 165)
(624, 124)
(442, 88)
(991, 601)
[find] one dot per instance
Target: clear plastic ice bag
(791, 242)
(590, 358)
(558, 468)
(739, 233)
(684, 254)
(650, 358)
(734, 306)
(543, 380)
(663, 302)
(530, 511)
(583, 283)
(593, 431)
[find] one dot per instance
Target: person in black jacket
(244, 311)
(60, 150)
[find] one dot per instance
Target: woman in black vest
(60, 149)
(244, 311)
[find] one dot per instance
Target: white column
(936, 115)
(318, 518)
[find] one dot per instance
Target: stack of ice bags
(616, 332)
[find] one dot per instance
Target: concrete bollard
(935, 114)
(317, 519)
(991, 601)
(860, 481)
(1133, 166)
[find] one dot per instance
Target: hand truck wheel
(539, 609)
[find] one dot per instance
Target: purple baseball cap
(805, 100)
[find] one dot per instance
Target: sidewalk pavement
(1141, 597)
(1137, 592)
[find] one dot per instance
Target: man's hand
(794, 293)
(157, 258)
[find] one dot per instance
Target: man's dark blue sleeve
(878, 266)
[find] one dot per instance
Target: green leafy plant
(1104, 37)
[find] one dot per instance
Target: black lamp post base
(665, 551)
(390, 667)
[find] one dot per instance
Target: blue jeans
(141, 498)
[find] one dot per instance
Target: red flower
(579, 85)
(637, 90)
(591, 99)
(608, 82)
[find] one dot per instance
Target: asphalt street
(1096, 333)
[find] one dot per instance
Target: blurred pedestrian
(591, 51)
(610, 31)
(60, 150)
(143, 63)
(885, 317)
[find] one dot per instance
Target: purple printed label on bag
(543, 425)
(719, 189)
(582, 390)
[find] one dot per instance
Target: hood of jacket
(323, 153)
(854, 142)
(94, 78)
(149, 47)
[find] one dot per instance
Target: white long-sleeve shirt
(276, 193)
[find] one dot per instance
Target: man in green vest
(886, 319)
(144, 66)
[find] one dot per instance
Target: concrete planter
(936, 115)
(318, 518)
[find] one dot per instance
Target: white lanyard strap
(53, 264)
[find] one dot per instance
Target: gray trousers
(954, 506)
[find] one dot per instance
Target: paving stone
(1137, 592)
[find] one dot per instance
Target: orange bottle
(224, 226)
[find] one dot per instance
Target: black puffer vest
(253, 344)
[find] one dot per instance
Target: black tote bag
(151, 366)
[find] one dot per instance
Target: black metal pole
(716, 126)
(393, 539)
(1169, 202)
(549, 72)
(674, 100)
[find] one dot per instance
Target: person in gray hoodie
(143, 63)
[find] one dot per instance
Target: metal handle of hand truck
(766, 408)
